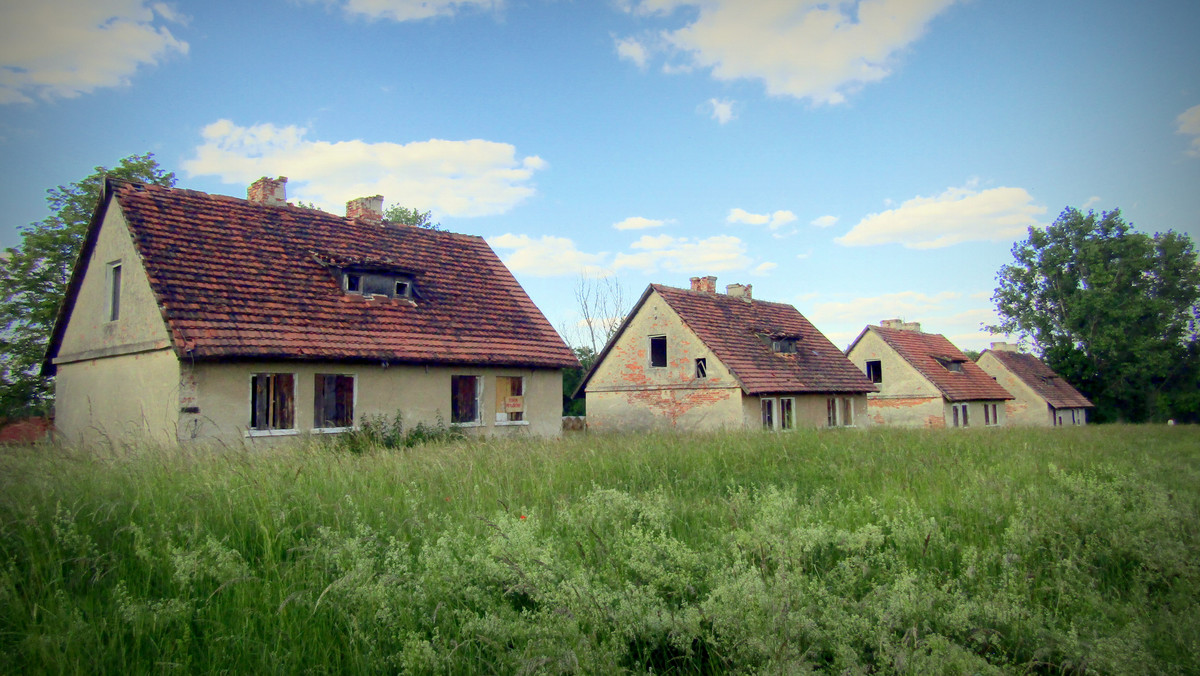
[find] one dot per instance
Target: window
(333, 401)
(464, 400)
(989, 415)
(952, 365)
(959, 413)
(784, 345)
(787, 414)
(768, 414)
(701, 368)
(955, 410)
(658, 350)
(839, 412)
(875, 371)
(272, 397)
(510, 398)
(387, 284)
(114, 291)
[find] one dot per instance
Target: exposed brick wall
(268, 192)
(368, 209)
(705, 284)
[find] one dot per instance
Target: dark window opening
(353, 283)
(701, 368)
(333, 401)
(658, 351)
(952, 365)
(784, 345)
(875, 371)
(377, 284)
(401, 290)
(768, 414)
(464, 399)
(271, 401)
(114, 299)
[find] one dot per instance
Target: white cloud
(51, 49)
(631, 49)
(722, 110)
(714, 254)
(638, 223)
(825, 221)
(453, 178)
(1189, 124)
(547, 256)
(774, 221)
(957, 215)
(412, 10)
(762, 269)
(1091, 202)
(808, 49)
(910, 305)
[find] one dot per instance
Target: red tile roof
(927, 351)
(731, 326)
(239, 280)
(1048, 384)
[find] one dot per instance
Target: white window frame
(478, 422)
(353, 404)
(776, 406)
(274, 432)
(525, 414)
(113, 281)
(843, 408)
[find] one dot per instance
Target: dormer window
(952, 365)
(780, 343)
(390, 284)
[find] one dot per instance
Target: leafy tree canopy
(407, 216)
(1113, 311)
(34, 276)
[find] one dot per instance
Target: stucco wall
(627, 393)
(89, 333)
(119, 399)
(976, 416)
(905, 397)
(811, 409)
(420, 394)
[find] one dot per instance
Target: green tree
(572, 378)
(1111, 310)
(34, 276)
(407, 216)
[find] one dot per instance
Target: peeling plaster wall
(976, 416)
(420, 394)
(905, 397)
(626, 393)
(121, 399)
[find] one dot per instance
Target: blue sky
(860, 160)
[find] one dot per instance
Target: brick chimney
(369, 209)
(705, 284)
(1003, 347)
(739, 291)
(900, 325)
(268, 192)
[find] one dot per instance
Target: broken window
(510, 398)
(875, 371)
(787, 413)
(701, 368)
(658, 350)
(768, 414)
(951, 364)
(464, 400)
(388, 284)
(114, 291)
(333, 401)
(272, 397)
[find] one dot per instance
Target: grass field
(882, 551)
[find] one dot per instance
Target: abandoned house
(694, 359)
(924, 380)
(1041, 397)
(197, 316)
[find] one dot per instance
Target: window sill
(467, 424)
(270, 433)
(331, 430)
(511, 423)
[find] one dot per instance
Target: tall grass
(885, 551)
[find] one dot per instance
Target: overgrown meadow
(881, 551)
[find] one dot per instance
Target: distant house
(694, 359)
(197, 316)
(1041, 397)
(924, 380)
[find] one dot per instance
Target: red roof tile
(926, 352)
(1048, 384)
(731, 326)
(235, 279)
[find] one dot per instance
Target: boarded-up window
(658, 351)
(510, 398)
(333, 400)
(272, 401)
(464, 399)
